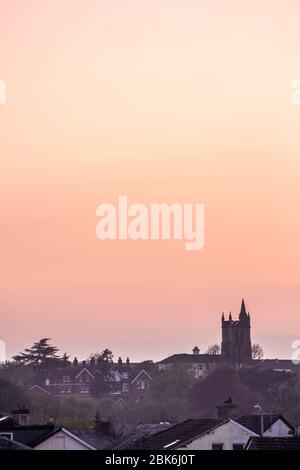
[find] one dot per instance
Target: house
(139, 385)
(48, 436)
(176, 435)
(273, 443)
(198, 434)
(223, 433)
(199, 365)
(236, 434)
(124, 380)
(272, 425)
(228, 435)
(121, 376)
(69, 381)
(63, 439)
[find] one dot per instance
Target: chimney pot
(226, 409)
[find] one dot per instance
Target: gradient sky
(163, 101)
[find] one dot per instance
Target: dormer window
(125, 375)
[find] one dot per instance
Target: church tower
(236, 337)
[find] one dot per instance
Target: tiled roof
(6, 422)
(253, 422)
(58, 373)
(273, 443)
(176, 435)
(8, 444)
(141, 432)
(192, 358)
(28, 435)
(33, 435)
(93, 438)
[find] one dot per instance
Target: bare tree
(214, 349)
(257, 351)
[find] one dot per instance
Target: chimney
(127, 361)
(120, 361)
(21, 416)
(226, 409)
(196, 351)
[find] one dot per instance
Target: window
(125, 387)
(66, 379)
(47, 382)
(237, 446)
(217, 446)
(125, 375)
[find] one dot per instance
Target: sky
(184, 101)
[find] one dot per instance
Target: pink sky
(163, 101)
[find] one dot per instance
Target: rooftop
(273, 443)
(177, 434)
(253, 422)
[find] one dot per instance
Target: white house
(272, 425)
(62, 439)
(217, 434)
(228, 435)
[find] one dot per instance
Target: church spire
(243, 313)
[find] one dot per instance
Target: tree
(214, 349)
(219, 385)
(98, 386)
(103, 361)
(174, 382)
(11, 396)
(257, 351)
(41, 353)
(279, 387)
(104, 425)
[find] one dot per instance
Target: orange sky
(162, 101)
